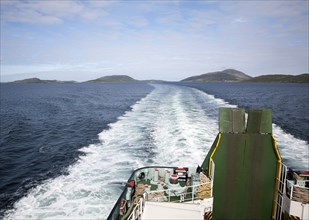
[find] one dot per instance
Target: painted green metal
(231, 120)
(205, 164)
(259, 121)
(245, 170)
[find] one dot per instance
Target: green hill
(303, 78)
(37, 80)
(114, 78)
(228, 75)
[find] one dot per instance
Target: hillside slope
(114, 78)
(303, 78)
(228, 75)
(37, 80)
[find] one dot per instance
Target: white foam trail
(294, 152)
(171, 126)
(183, 132)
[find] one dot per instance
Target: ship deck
(168, 211)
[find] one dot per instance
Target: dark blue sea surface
(42, 126)
(289, 101)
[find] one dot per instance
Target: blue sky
(170, 40)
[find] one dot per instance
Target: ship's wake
(173, 126)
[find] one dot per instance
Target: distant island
(302, 78)
(231, 75)
(228, 75)
(37, 80)
(114, 78)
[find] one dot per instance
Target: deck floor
(169, 211)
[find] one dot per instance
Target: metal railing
(137, 211)
(300, 194)
(181, 194)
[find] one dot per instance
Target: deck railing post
(169, 195)
(291, 194)
(192, 193)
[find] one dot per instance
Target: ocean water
(67, 149)
(43, 126)
(288, 101)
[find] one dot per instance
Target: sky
(167, 40)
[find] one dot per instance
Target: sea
(67, 150)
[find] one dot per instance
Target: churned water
(67, 149)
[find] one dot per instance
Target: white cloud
(57, 8)
(50, 12)
(271, 8)
(22, 13)
(239, 20)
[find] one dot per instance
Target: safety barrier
(137, 211)
(181, 194)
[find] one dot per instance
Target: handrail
(181, 192)
(139, 206)
(278, 175)
(300, 194)
(138, 210)
(214, 151)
